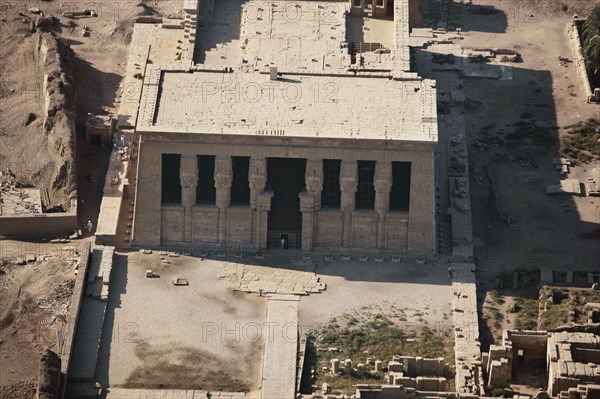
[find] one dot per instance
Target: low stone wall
(467, 346)
(579, 61)
(418, 366)
(112, 197)
(68, 338)
(42, 224)
(364, 391)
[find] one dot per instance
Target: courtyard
(211, 334)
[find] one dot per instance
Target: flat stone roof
(324, 106)
(305, 34)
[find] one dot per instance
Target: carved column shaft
(307, 207)
(188, 176)
(313, 178)
(310, 202)
(263, 206)
(223, 179)
(383, 186)
(348, 185)
(257, 180)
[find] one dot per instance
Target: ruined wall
(68, 338)
(366, 391)
(39, 224)
(56, 63)
(575, 42)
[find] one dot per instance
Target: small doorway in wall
(285, 239)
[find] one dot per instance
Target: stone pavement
(91, 318)
(281, 348)
(452, 157)
(129, 393)
(269, 280)
(466, 329)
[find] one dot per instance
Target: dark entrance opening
(400, 193)
(286, 180)
(170, 184)
(95, 139)
(285, 239)
(240, 190)
(205, 189)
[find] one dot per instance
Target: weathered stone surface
(49, 376)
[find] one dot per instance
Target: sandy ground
(552, 229)
(34, 303)
(100, 65)
(423, 292)
(553, 232)
(212, 338)
(203, 334)
(549, 236)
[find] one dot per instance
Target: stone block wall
(565, 369)
(206, 222)
(431, 384)
(532, 343)
(499, 374)
(239, 226)
(223, 224)
(40, 224)
(329, 229)
(397, 230)
(68, 338)
(364, 229)
(172, 218)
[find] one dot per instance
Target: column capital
(188, 172)
(307, 202)
(314, 175)
(263, 201)
(348, 176)
(383, 177)
(257, 173)
(223, 172)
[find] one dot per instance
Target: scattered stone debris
(567, 186)
(180, 281)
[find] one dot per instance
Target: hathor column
(223, 179)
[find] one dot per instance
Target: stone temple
(295, 123)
